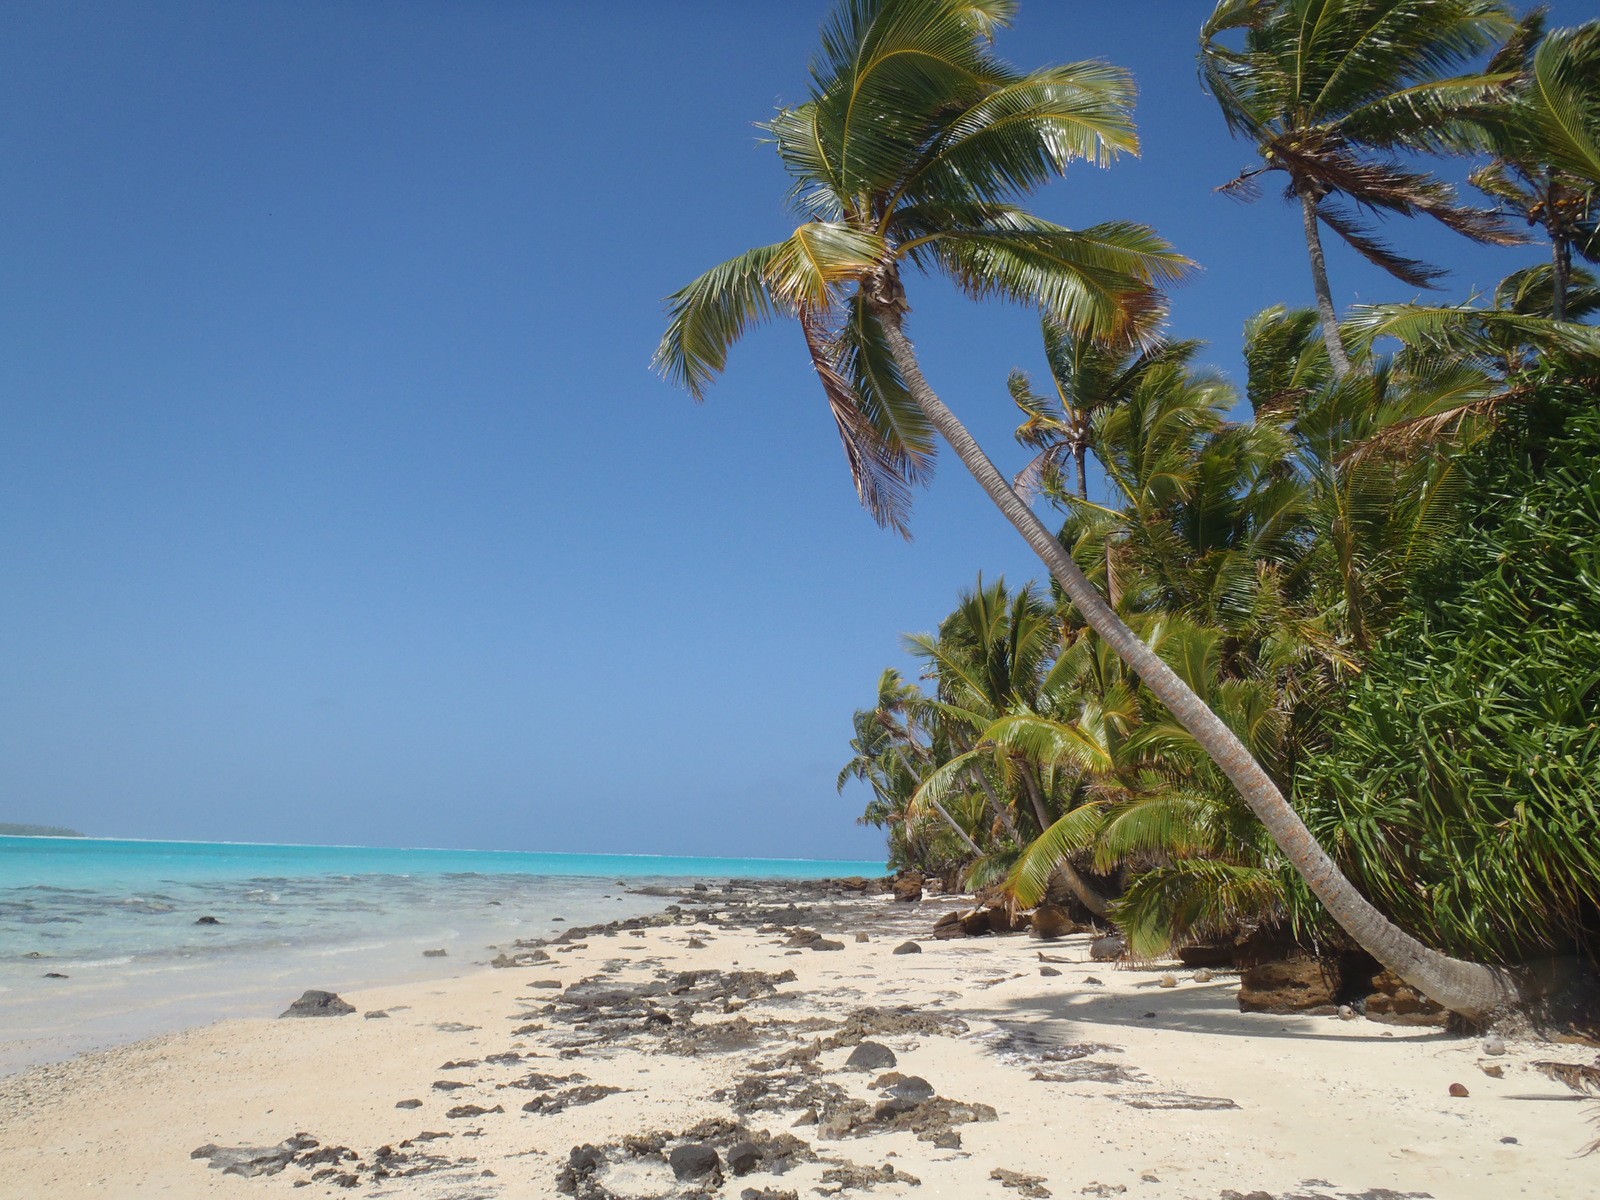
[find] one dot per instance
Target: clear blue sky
(337, 500)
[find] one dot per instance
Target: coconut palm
(1545, 131)
(914, 144)
(1329, 91)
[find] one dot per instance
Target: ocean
(119, 920)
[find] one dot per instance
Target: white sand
(1325, 1107)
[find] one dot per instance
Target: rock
(861, 937)
(1167, 981)
(408, 1104)
(1165, 1101)
(1459, 1091)
(1346, 1013)
(1050, 922)
(1203, 975)
(1104, 1189)
(907, 948)
(1095, 980)
(471, 1110)
(1492, 1070)
(908, 887)
(1206, 956)
(826, 944)
(1028, 1185)
(695, 943)
(1108, 948)
(974, 923)
(1509, 1141)
(696, 1160)
(59, 975)
(545, 983)
(582, 1163)
(1285, 986)
(208, 921)
(1396, 1001)
(318, 1004)
(1048, 971)
(948, 1140)
(744, 1157)
(912, 1088)
(870, 1056)
(1494, 1045)
(435, 953)
(376, 1014)
(767, 1193)
(449, 1085)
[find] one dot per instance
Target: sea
(120, 920)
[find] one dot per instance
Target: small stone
(376, 1014)
(1203, 975)
(1168, 981)
(435, 953)
(1494, 1045)
(870, 1056)
(208, 921)
(908, 948)
(1459, 1090)
(861, 937)
(1509, 1141)
(54, 975)
(1094, 979)
(744, 1157)
(696, 1160)
(826, 944)
(695, 943)
(948, 1140)
(1049, 972)
(408, 1104)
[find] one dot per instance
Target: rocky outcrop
(1395, 1001)
(1051, 921)
(908, 886)
(318, 1004)
(1287, 985)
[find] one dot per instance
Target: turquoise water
(118, 920)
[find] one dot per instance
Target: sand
(1296, 1106)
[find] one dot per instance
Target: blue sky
(338, 502)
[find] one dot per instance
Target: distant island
(8, 830)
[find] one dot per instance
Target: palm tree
(1545, 131)
(914, 143)
(1329, 91)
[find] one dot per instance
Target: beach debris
(1346, 1013)
(1109, 948)
(907, 948)
(207, 921)
(696, 1160)
(1459, 1091)
(575, 1097)
(1286, 985)
(471, 1110)
(408, 1104)
(870, 1056)
(1167, 981)
(1049, 971)
(455, 1027)
(1166, 1101)
(1204, 975)
(861, 936)
(1053, 958)
(375, 1014)
(1028, 1185)
(435, 953)
(1025, 1046)
(1494, 1045)
(1492, 1070)
(1577, 1076)
(318, 1004)
(1050, 921)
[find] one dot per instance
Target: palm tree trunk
(1560, 274)
(959, 832)
(1319, 279)
(1083, 478)
(1001, 812)
(1474, 990)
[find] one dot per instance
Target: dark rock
(908, 886)
(59, 975)
(948, 1140)
(582, 1163)
(571, 1098)
(695, 943)
(696, 1160)
(449, 1085)
(848, 1176)
(454, 1027)
(207, 921)
(870, 1056)
(435, 953)
(408, 1104)
(1048, 971)
(861, 936)
(907, 948)
(1394, 1001)
(768, 1193)
(318, 1004)
(913, 1088)
(1108, 948)
(826, 944)
(1050, 922)
(1027, 1185)
(545, 983)
(1216, 955)
(472, 1110)
(1286, 985)
(377, 1014)
(249, 1161)
(744, 1157)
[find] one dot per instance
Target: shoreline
(1016, 1077)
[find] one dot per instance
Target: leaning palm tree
(1329, 91)
(909, 154)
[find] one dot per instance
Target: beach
(766, 1041)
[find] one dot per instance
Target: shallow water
(118, 918)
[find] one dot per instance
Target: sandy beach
(979, 1071)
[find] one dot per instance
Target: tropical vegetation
(1327, 669)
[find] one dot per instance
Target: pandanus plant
(909, 155)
